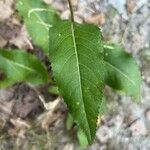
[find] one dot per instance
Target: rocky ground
(31, 118)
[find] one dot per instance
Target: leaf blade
(79, 78)
(20, 66)
(39, 18)
(122, 72)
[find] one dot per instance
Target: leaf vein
(121, 73)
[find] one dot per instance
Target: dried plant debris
(21, 105)
(52, 115)
(20, 101)
(6, 9)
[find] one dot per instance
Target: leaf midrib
(41, 21)
(76, 54)
(19, 65)
(121, 73)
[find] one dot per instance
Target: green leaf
(76, 53)
(39, 18)
(20, 66)
(69, 122)
(53, 90)
(122, 72)
(103, 108)
(82, 139)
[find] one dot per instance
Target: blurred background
(35, 118)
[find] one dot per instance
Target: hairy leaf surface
(19, 66)
(122, 72)
(76, 53)
(38, 18)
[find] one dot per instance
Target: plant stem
(71, 10)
